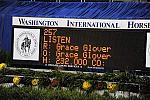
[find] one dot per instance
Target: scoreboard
(93, 48)
(68, 46)
(80, 48)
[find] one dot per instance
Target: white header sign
(81, 23)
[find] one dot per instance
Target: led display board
(88, 45)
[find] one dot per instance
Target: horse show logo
(26, 43)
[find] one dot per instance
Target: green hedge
(122, 77)
(127, 81)
(4, 57)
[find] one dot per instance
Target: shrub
(5, 57)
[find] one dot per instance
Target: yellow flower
(35, 82)
(16, 80)
(3, 66)
(112, 87)
(86, 85)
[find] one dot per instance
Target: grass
(30, 93)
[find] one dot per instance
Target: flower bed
(88, 83)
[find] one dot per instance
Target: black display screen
(93, 48)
